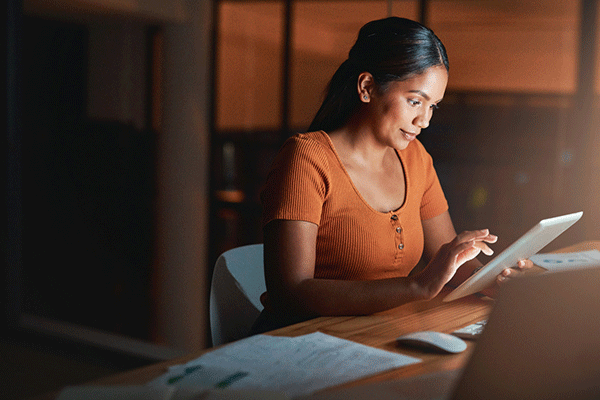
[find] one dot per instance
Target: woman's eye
(414, 102)
(434, 106)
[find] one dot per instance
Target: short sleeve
(298, 182)
(434, 201)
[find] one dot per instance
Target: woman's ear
(365, 86)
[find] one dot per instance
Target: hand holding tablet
(527, 245)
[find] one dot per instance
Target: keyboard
(470, 331)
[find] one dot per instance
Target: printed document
(567, 261)
(294, 366)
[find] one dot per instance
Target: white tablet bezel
(527, 245)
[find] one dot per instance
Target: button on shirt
(308, 182)
(399, 242)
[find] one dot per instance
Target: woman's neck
(357, 145)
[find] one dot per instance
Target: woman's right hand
(442, 267)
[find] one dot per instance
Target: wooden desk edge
(143, 375)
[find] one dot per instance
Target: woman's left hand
(507, 274)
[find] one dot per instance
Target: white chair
(238, 281)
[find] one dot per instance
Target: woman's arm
(290, 248)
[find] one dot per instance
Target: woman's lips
(408, 135)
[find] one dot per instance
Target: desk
(377, 330)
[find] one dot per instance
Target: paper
(230, 394)
(138, 392)
(567, 261)
(116, 392)
(432, 386)
(198, 376)
(294, 366)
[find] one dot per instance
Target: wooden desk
(378, 330)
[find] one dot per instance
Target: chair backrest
(238, 281)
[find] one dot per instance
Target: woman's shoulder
(313, 144)
(316, 138)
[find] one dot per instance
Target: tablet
(527, 245)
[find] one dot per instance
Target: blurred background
(139, 134)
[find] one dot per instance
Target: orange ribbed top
(308, 182)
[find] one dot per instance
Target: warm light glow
(509, 45)
(249, 64)
(323, 33)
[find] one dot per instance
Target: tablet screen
(527, 245)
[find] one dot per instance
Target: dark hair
(391, 49)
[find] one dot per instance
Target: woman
(350, 207)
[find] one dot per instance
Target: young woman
(350, 207)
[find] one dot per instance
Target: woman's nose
(422, 120)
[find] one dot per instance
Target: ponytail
(390, 49)
(340, 100)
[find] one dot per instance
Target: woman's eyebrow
(423, 94)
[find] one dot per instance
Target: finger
(504, 276)
(485, 249)
(471, 235)
(466, 252)
(490, 238)
(480, 238)
(524, 264)
(482, 234)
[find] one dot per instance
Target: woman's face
(399, 113)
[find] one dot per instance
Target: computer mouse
(431, 340)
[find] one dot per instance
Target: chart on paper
(567, 261)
